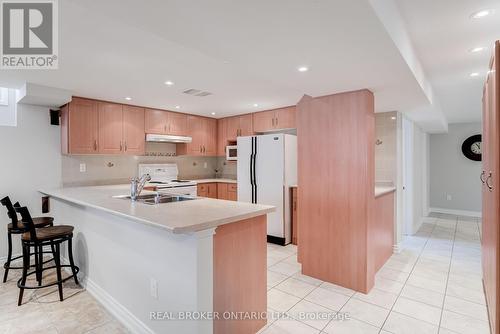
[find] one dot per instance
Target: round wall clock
(471, 148)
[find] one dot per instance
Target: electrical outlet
(448, 197)
(83, 168)
(153, 288)
(205, 165)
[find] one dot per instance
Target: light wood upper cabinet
(156, 121)
(203, 131)
(110, 128)
(238, 126)
(277, 119)
(232, 128)
(221, 137)
(177, 124)
(246, 125)
(285, 118)
(263, 121)
(80, 127)
(210, 137)
(166, 122)
(133, 130)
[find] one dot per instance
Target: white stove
(165, 178)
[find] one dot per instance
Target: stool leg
(37, 273)
(58, 270)
(9, 256)
(53, 250)
(71, 262)
(40, 265)
(26, 265)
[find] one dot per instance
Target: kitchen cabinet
(133, 130)
(232, 192)
(166, 122)
(121, 129)
(221, 137)
(110, 128)
(80, 127)
(277, 119)
(227, 191)
(207, 190)
(203, 132)
(490, 179)
(239, 126)
(294, 216)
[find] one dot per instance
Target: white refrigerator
(267, 167)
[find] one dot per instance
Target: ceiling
(443, 33)
(248, 52)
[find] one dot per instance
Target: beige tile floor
(432, 286)
(43, 313)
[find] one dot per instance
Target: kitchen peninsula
(191, 256)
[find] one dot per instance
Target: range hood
(167, 138)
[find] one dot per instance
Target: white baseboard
(121, 313)
(467, 213)
(130, 321)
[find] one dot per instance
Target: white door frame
(407, 176)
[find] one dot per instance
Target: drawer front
(202, 187)
(232, 187)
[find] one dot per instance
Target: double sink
(158, 198)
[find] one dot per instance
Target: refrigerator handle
(251, 170)
(254, 172)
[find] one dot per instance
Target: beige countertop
(382, 190)
(178, 217)
(215, 180)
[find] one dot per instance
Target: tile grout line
(448, 277)
(406, 281)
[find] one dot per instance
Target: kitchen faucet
(137, 184)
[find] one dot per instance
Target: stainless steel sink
(152, 199)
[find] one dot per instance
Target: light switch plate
(83, 168)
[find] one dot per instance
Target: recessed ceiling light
(474, 74)
(393, 118)
(213, 113)
(128, 98)
(477, 49)
(482, 13)
(255, 104)
(303, 69)
(177, 107)
(169, 83)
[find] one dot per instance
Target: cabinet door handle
(481, 177)
(277, 120)
(95, 144)
(273, 121)
(121, 146)
(204, 149)
(126, 146)
(201, 149)
(490, 188)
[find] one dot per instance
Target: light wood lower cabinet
(218, 190)
(227, 191)
(207, 190)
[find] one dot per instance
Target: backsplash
(118, 169)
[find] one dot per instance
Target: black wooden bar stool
(52, 236)
(18, 227)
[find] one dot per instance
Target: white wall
(416, 179)
(31, 160)
(453, 174)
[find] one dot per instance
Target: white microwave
(231, 152)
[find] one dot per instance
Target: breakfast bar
(181, 267)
